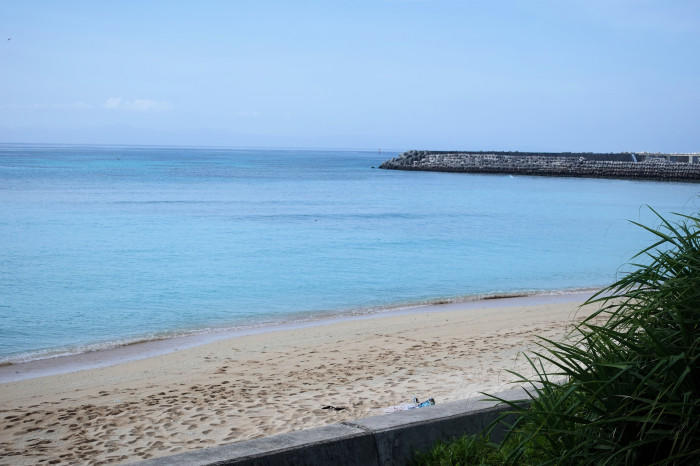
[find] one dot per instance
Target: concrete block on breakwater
(636, 165)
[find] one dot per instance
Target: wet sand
(272, 381)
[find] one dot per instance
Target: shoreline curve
(143, 348)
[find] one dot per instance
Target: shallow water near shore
(115, 244)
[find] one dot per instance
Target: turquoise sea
(106, 245)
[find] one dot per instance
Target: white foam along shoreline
(118, 353)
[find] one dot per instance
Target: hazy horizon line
(322, 148)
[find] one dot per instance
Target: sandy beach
(276, 381)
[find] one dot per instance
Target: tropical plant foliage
(631, 372)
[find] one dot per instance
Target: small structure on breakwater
(636, 165)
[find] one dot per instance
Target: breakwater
(636, 165)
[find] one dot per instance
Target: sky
(523, 75)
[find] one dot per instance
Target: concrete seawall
(643, 166)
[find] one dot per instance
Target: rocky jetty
(637, 165)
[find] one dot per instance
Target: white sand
(257, 385)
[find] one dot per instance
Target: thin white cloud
(113, 102)
(135, 105)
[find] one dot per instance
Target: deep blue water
(100, 244)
